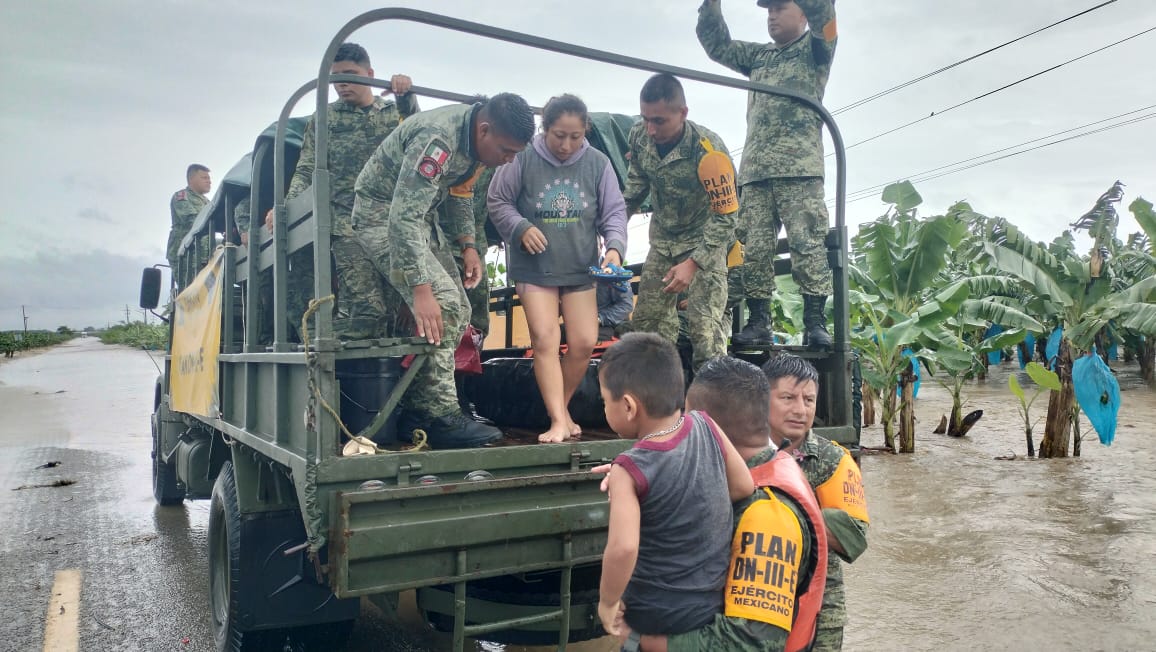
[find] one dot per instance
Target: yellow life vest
(717, 174)
(844, 490)
(766, 563)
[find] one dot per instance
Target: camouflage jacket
(682, 220)
(354, 133)
(481, 214)
(242, 214)
(183, 208)
(428, 160)
(819, 457)
(784, 138)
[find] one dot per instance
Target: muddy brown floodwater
(970, 553)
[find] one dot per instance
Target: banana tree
(1044, 380)
(961, 351)
(1136, 261)
(1078, 297)
(897, 272)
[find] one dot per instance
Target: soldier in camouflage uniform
(781, 175)
(431, 159)
(358, 122)
(831, 473)
(263, 295)
(688, 241)
(185, 205)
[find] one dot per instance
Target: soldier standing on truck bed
(688, 240)
(781, 175)
(358, 122)
(185, 205)
(435, 157)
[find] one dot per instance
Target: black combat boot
(455, 430)
(757, 332)
(815, 333)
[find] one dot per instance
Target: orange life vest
(783, 473)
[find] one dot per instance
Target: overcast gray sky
(107, 102)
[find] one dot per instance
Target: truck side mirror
(150, 288)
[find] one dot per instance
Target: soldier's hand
(679, 277)
(400, 85)
(269, 220)
(472, 266)
(428, 314)
(534, 241)
(245, 238)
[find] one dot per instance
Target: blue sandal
(616, 273)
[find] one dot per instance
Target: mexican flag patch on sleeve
(434, 157)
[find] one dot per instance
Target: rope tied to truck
(357, 445)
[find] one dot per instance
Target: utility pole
(127, 317)
(25, 315)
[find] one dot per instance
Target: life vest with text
(769, 581)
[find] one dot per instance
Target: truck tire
(167, 487)
(224, 565)
(240, 603)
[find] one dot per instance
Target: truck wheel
(224, 566)
(167, 487)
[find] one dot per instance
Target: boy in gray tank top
(668, 545)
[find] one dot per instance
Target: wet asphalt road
(144, 568)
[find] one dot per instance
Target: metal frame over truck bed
(298, 532)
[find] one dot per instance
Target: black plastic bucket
(365, 386)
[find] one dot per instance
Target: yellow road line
(62, 626)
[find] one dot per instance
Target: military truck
(501, 543)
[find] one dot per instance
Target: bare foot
(558, 432)
(575, 429)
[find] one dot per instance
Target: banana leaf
(1098, 394)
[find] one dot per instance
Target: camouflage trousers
(655, 311)
(360, 309)
(729, 634)
(828, 639)
(433, 392)
(794, 203)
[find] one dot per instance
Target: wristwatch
(469, 245)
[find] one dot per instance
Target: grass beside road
(154, 337)
(13, 341)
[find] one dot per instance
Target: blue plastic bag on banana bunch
(1098, 394)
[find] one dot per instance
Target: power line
(997, 90)
(1017, 153)
(873, 189)
(973, 57)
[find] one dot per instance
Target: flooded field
(970, 553)
(966, 552)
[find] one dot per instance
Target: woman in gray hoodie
(551, 205)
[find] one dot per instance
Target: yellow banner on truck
(197, 342)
